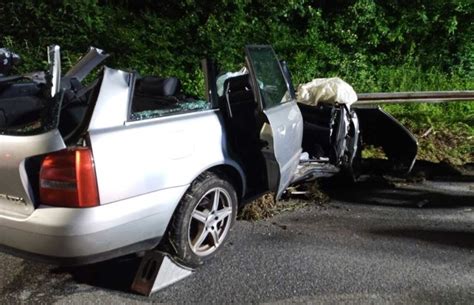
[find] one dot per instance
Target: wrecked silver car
(336, 130)
(116, 167)
(93, 172)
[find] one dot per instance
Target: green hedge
(376, 45)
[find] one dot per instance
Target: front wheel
(203, 219)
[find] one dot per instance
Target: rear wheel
(203, 219)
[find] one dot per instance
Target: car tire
(202, 220)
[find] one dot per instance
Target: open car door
(282, 131)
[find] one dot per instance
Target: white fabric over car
(330, 90)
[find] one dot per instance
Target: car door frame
(282, 131)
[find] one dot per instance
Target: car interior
(243, 126)
(77, 107)
(157, 96)
(316, 131)
(27, 108)
(20, 103)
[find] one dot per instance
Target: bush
(389, 45)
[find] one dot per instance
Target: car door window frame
(209, 98)
(254, 80)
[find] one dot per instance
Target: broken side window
(156, 97)
(184, 106)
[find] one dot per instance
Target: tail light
(67, 179)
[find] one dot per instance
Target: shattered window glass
(179, 107)
(156, 96)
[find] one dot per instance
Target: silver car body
(143, 170)
(16, 199)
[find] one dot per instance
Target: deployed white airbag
(330, 90)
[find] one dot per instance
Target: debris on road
(295, 197)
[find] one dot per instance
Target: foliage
(376, 45)
(359, 40)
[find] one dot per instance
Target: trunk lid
(16, 193)
(30, 118)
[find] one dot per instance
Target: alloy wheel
(210, 221)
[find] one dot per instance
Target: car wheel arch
(226, 171)
(226, 174)
(232, 175)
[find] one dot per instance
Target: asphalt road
(373, 243)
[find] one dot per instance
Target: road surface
(373, 243)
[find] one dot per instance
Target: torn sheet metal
(54, 60)
(87, 63)
(114, 95)
(381, 129)
(330, 90)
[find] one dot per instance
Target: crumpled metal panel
(111, 109)
(87, 63)
(380, 129)
(54, 60)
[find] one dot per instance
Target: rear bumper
(78, 236)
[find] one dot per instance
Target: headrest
(238, 83)
(157, 86)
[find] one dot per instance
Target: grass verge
(445, 132)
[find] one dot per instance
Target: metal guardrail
(414, 97)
